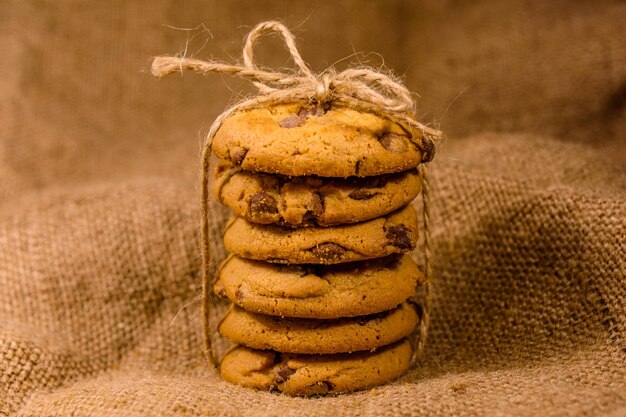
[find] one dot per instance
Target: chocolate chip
(237, 155)
(361, 194)
(393, 142)
(428, 149)
(292, 121)
(329, 252)
(317, 204)
(315, 208)
(400, 237)
(283, 373)
(239, 295)
(262, 203)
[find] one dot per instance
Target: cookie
(259, 331)
(392, 233)
(302, 201)
(319, 291)
(315, 374)
(341, 142)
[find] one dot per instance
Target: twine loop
(363, 89)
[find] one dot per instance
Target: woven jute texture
(99, 210)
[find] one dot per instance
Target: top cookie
(293, 140)
(298, 374)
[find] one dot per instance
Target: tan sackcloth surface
(99, 256)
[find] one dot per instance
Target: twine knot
(323, 90)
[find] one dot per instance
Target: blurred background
(78, 103)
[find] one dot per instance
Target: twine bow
(359, 88)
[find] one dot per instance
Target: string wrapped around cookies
(319, 171)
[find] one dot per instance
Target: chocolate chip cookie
(392, 233)
(293, 140)
(259, 331)
(319, 291)
(315, 374)
(303, 201)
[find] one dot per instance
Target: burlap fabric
(99, 257)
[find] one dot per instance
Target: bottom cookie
(315, 374)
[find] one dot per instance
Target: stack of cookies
(318, 272)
